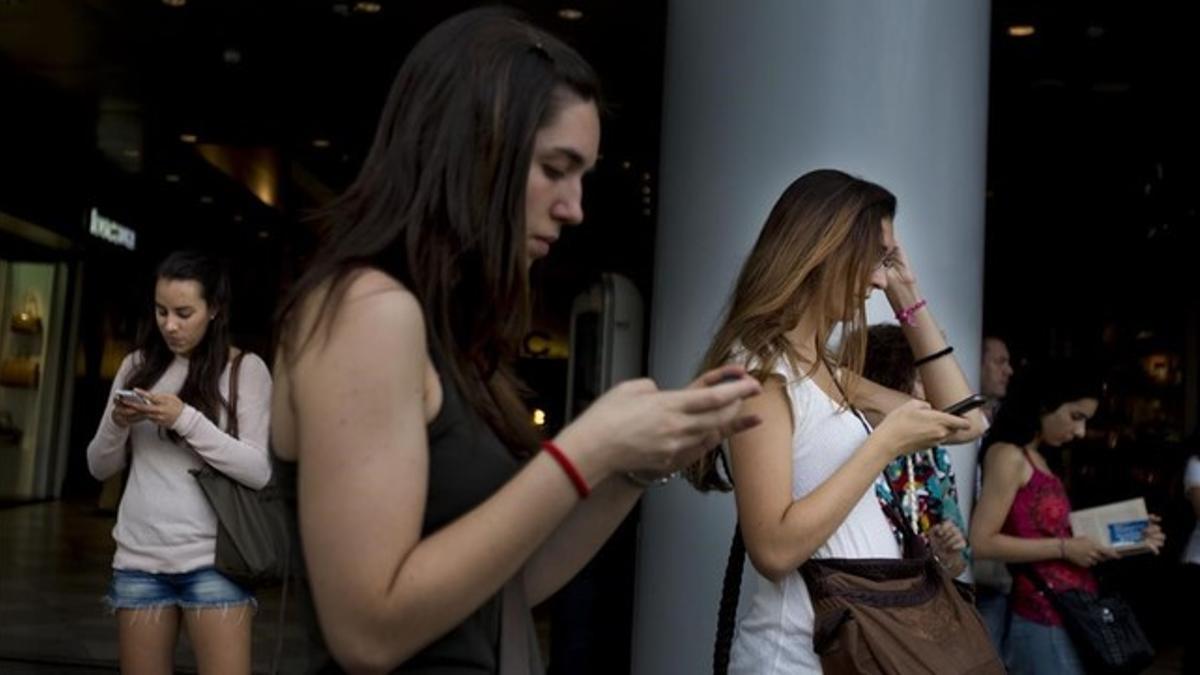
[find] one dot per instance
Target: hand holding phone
(725, 379)
(965, 406)
(130, 396)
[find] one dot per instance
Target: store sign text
(113, 232)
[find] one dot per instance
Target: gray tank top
(467, 464)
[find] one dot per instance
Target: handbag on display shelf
(10, 433)
(21, 372)
(28, 319)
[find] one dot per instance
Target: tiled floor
(55, 562)
(54, 568)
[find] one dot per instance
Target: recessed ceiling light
(1021, 31)
(320, 143)
(368, 7)
(263, 234)
(188, 138)
(174, 3)
(172, 177)
(570, 14)
(206, 200)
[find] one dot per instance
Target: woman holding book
(1022, 516)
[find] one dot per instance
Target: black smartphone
(725, 379)
(965, 406)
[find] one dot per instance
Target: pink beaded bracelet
(905, 316)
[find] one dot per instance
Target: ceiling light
(188, 138)
(1021, 31)
(320, 143)
(570, 14)
(174, 3)
(206, 200)
(368, 7)
(172, 178)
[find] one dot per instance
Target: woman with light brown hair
(804, 477)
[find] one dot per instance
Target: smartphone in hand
(965, 406)
(131, 396)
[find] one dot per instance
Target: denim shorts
(203, 588)
(1036, 649)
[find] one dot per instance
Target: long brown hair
(440, 201)
(816, 251)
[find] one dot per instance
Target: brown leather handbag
(879, 616)
(895, 616)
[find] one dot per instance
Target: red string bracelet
(568, 468)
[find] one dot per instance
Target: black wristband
(933, 357)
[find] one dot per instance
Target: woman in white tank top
(805, 476)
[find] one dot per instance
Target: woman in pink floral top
(1023, 511)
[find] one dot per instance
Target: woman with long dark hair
(168, 414)
(1022, 515)
(429, 519)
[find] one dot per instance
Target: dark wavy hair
(889, 359)
(1037, 391)
(440, 201)
(207, 361)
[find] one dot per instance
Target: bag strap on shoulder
(893, 510)
(731, 590)
(235, 367)
(1027, 571)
